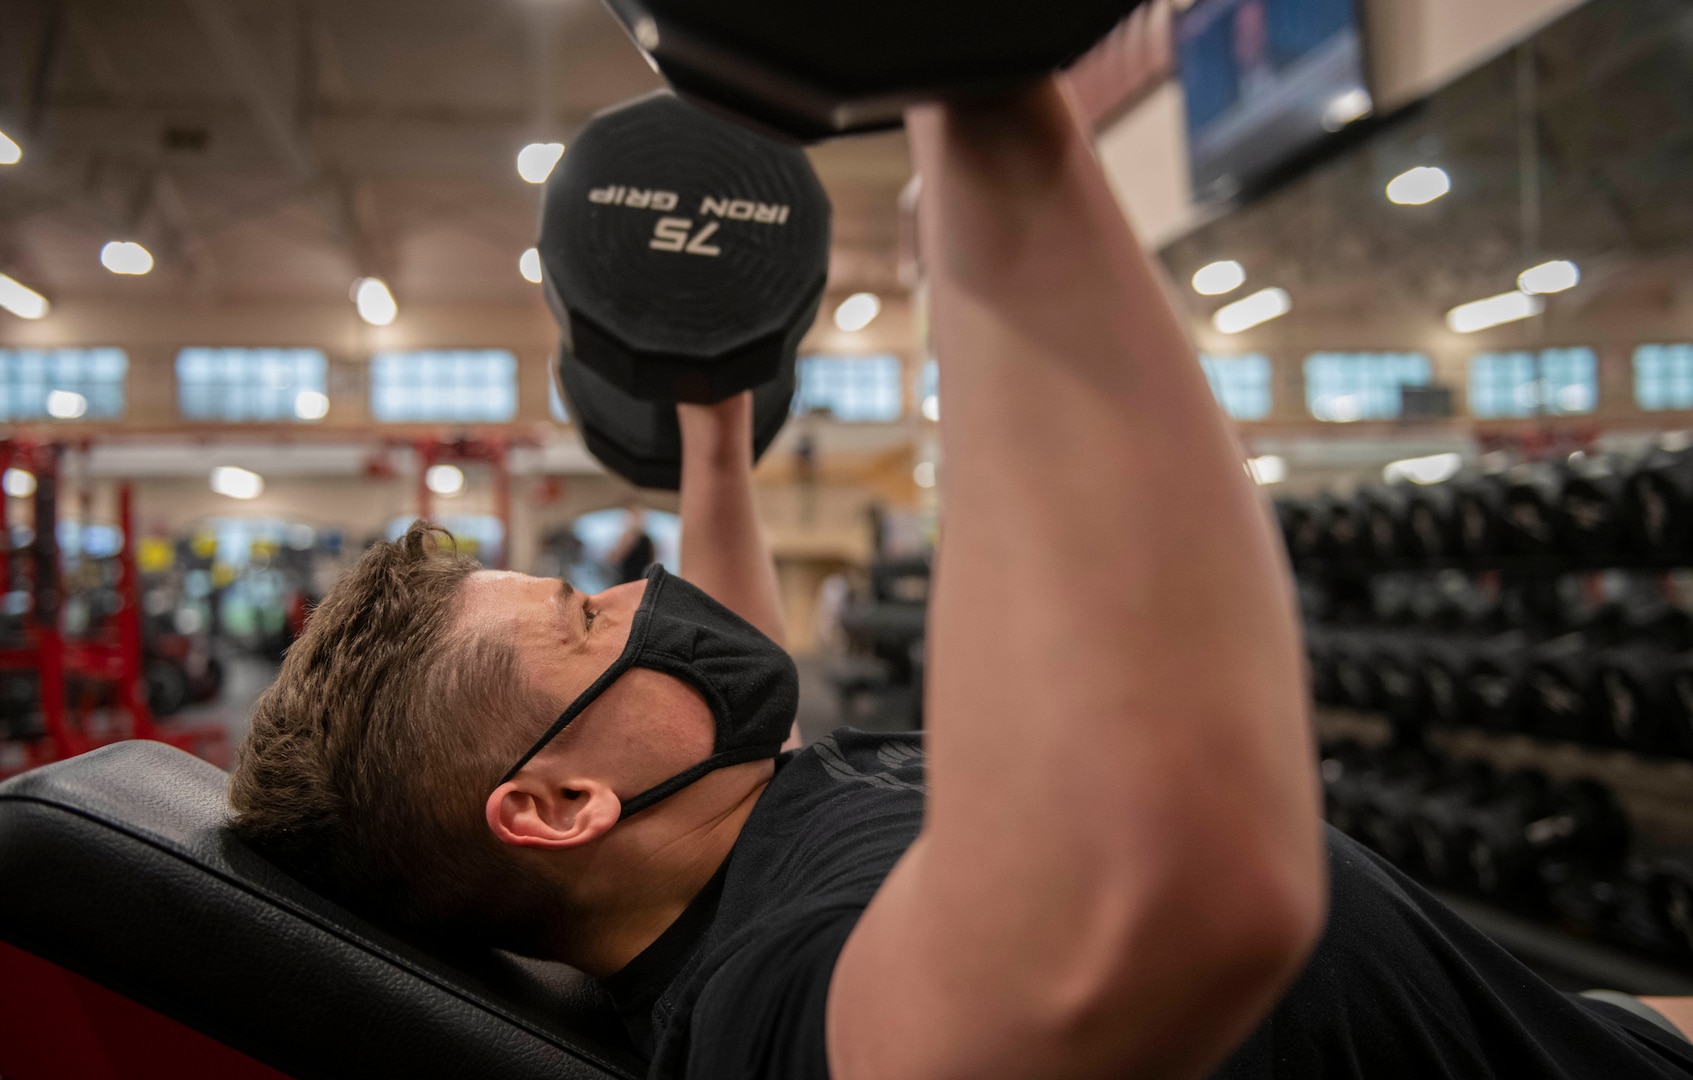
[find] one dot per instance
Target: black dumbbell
(815, 70)
(1431, 521)
(1532, 824)
(1401, 691)
(1532, 520)
(1319, 658)
(1494, 691)
(1438, 821)
(1304, 527)
(1387, 524)
(1562, 687)
(1343, 524)
(1635, 695)
(684, 259)
(1440, 669)
(1658, 503)
(1479, 508)
(1353, 652)
(1591, 508)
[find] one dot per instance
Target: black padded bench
(140, 935)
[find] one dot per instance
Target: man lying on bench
(1105, 859)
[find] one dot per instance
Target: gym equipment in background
(684, 258)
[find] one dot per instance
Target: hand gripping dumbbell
(684, 257)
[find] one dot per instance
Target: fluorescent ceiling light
(1494, 311)
(857, 311)
(1550, 277)
(1219, 278)
(537, 161)
(444, 479)
(1419, 186)
(66, 405)
(237, 483)
(530, 266)
(924, 474)
(10, 152)
(130, 259)
(376, 304)
(1268, 469)
(1434, 469)
(1260, 307)
(311, 405)
(1348, 108)
(21, 300)
(18, 483)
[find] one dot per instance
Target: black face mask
(748, 681)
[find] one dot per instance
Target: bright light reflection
(1419, 186)
(537, 161)
(18, 483)
(1268, 469)
(375, 303)
(66, 405)
(10, 152)
(311, 405)
(1493, 311)
(529, 265)
(237, 483)
(924, 474)
(932, 408)
(21, 300)
(1550, 277)
(857, 311)
(1434, 469)
(445, 480)
(1219, 278)
(1258, 308)
(122, 257)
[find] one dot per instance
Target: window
(252, 384)
(555, 402)
(1343, 387)
(1554, 382)
(466, 385)
(1663, 377)
(856, 389)
(929, 389)
(62, 384)
(1241, 384)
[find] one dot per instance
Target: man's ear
(531, 812)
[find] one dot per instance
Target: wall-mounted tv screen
(1266, 80)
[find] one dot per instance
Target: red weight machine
(110, 654)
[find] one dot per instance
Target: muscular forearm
(723, 550)
(1118, 749)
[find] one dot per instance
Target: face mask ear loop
(682, 779)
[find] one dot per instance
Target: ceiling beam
(250, 74)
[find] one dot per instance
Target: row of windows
(1344, 387)
(480, 385)
(462, 386)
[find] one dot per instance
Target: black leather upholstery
(115, 865)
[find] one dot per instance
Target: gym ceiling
(279, 149)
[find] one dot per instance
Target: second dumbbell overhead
(684, 259)
(811, 70)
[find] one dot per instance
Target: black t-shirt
(1399, 986)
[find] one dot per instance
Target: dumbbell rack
(1655, 789)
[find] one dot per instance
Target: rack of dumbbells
(1503, 670)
